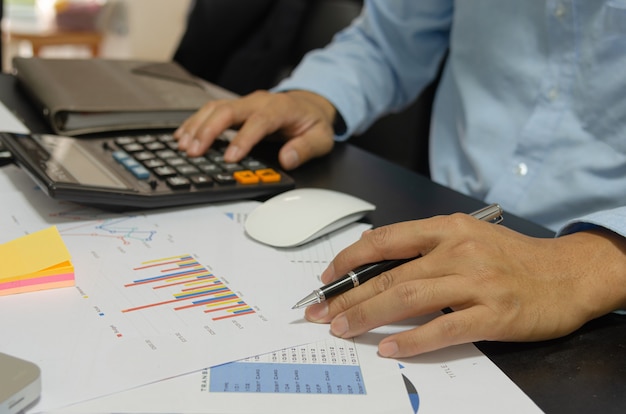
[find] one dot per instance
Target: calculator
(139, 171)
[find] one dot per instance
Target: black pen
(491, 213)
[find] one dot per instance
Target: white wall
(154, 28)
(134, 29)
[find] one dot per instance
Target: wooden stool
(55, 38)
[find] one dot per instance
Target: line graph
(119, 228)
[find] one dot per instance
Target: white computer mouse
(298, 216)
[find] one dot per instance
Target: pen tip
(308, 300)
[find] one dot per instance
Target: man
(529, 113)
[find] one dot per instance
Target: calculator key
(268, 175)
(144, 139)
(231, 166)
(165, 137)
(178, 183)
(187, 169)
(166, 154)
(129, 163)
(224, 178)
(134, 147)
(197, 160)
(154, 163)
(165, 171)
(246, 177)
(155, 146)
(209, 168)
(176, 161)
(201, 180)
(215, 156)
(124, 140)
(120, 156)
(252, 164)
(140, 172)
(144, 155)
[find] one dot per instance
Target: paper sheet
(341, 376)
(303, 379)
(455, 379)
(459, 378)
(111, 332)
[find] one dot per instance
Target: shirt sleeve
(380, 62)
(614, 220)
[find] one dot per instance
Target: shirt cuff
(613, 220)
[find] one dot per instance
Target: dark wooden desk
(584, 372)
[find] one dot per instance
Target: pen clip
(491, 214)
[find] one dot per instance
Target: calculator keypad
(156, 157)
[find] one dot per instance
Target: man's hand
(502, 285)
(303, 118)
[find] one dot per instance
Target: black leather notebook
(79, 96)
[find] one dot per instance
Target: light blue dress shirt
(531, 108)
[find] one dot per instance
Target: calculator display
(72, 163)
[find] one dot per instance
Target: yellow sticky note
(36, 261)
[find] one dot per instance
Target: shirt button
(559, 11)
(521, 169)
(553, 94)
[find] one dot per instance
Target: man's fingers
(302, 149)
(432, 268)
(417, 297)
(255, 125)
(394, 241)
(446, 330)
(199, 131)
(326, 311)
(301, 118)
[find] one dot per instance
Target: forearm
(599, 269)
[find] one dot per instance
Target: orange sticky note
(36, 261)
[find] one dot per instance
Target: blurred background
(142, 29)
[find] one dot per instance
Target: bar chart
(189, 285)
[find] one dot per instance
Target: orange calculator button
(268, 175)
(246, 177)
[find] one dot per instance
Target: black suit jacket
(241, 45)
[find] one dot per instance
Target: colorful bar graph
(189, 285)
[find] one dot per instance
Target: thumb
(299, 150)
